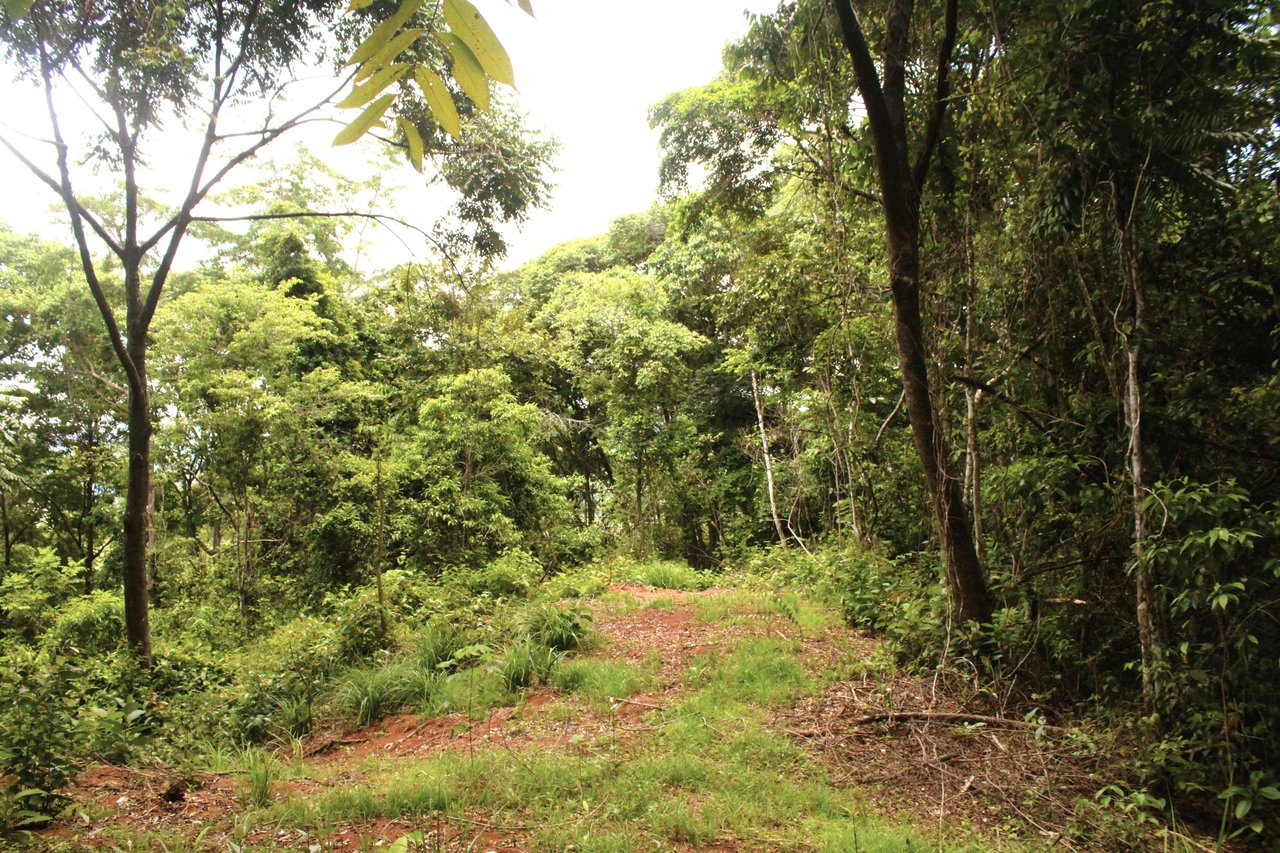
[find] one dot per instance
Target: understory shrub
(511, 575)
(91, 625)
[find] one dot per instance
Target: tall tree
(139, 65)
(902, 182)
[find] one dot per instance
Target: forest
(942, 380)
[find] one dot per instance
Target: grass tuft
(260, 772)
(598, 681)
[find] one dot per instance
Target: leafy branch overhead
(395, 54)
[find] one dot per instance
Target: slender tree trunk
(965, 579)
(8, 533)
(90, 548)
(137, 499)
(973, 398)
(901, 183)
(1150, 639)
(768, 462)
(382, 545)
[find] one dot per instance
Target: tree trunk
(1150, 636)
(137, 498)
(965, 580)
(900, 186)
(382, 546)
(768, 462)
(8, 534)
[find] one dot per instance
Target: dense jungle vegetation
(1059, 488)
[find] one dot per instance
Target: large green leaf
(414, 140)
(384, 32)
(440, 101)
(374, 86)
(468, 24)
(389, 51)
(364, 121)
(467, 71)
(17, 8)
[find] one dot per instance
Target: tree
(141, 65)
(902, 182)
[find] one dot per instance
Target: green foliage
(601, 682)
(30, 596)
(91, 625)
(560, 628)
(1218, 561)
(516, 666)
(513, 574)
(39, 737)
(368, 695)
(437, 643)
(260, 774)
(664, 574)
(361, 625)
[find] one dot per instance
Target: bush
(437, 644)
(515, 666)
(91, 625)
(361, 625)
(668, 574)
(367, 694)
(39, 732)
(31, 593)
(510, 576)
(582, 582)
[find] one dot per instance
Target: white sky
(587, 71)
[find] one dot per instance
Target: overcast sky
(587, 71)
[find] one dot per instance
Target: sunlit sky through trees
(587, 72)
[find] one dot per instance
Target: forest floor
(714, 720)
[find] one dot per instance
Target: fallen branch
(951, 717)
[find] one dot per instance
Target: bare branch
(56, 186)
(199, 191)
(178, 224)
(942, 92)
(77, 227)
(896, 408)
(382, 219)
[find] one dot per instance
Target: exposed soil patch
(931, 767)
(151, 799)
(930, 758)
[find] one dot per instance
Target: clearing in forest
(690, 720)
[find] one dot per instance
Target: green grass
(667, 574)
(436, 644)
(260, 770)
(709, 766)
(366, 695)
(559, 628)
(472, 691)
(740, 606)
(761, 670)
(598, 681)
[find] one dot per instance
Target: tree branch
(380, 218)
(947, 717)
(77, 228)
(48, 180)
(942, 91)
(178, 224)
(888, 134)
